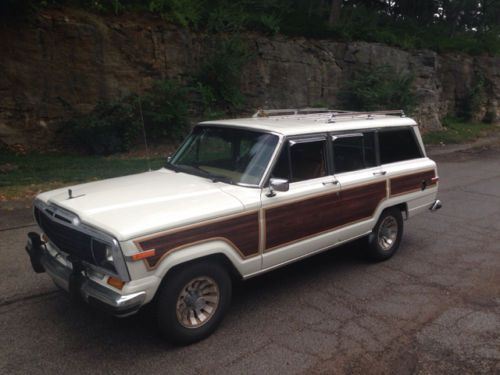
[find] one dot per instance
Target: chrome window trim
(293, 141)
(267, 174)
(274, 157)
(77, 224)
(347, 135)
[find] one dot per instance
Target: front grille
(66, 239)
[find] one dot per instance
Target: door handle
(333, 182)
(381, 173)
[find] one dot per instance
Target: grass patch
(458, 131)
(24, 176)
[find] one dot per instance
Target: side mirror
(277, 184)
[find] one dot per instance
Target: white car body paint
(137, 206)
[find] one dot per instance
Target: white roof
(314, 123)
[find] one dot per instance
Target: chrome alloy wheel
(197, 302)
(387, 233)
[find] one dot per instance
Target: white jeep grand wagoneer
(239, 198)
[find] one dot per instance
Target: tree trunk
(335, 10)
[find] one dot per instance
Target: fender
(204, 249)
(190, 252)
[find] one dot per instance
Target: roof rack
(330, 115)
(369, 114)
(288, 111)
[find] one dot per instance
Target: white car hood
(132, 206)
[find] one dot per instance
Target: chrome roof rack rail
(324, 114)
(289, 111)
(369, 114)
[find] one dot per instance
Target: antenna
(144, 134)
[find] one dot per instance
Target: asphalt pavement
(433, 308)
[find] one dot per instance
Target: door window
(302, 160)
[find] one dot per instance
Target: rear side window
(352, 152)
(348, 153)
(397, 145)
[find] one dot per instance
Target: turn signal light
(435, 179)
(117, 283)
(144, 254)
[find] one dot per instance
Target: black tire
(378, 248)
(180, 281)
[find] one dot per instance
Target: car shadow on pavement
(140, 330)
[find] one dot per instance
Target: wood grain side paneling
(288, 222)
(297, 220)
(241, 232)
(411, 182)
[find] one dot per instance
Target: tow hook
(34, 250)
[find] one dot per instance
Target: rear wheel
(192, 302)
(385, 238)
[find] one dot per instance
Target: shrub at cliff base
(217, 81)
(378, 88)
(115, 126)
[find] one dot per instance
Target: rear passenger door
(362, 181)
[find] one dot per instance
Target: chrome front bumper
(79, 285)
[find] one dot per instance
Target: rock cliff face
(70, 59)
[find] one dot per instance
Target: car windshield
(225, 154)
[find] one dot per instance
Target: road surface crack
(8, 302)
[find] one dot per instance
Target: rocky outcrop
(68, 60)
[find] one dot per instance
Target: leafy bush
(471, 103)
(115, 126)
(166, 111)
(111, 127)
(218, 79)
(466, 26)
(376, 88)
(187, 13)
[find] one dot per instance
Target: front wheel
(385, 238)
(192, 302)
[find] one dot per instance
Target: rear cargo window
(397, 145)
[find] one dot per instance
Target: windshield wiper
(173, 167)
(213, 177)
(216, 178)
(199, 172)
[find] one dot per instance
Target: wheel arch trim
(214, 249)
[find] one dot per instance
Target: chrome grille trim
(70, 220)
